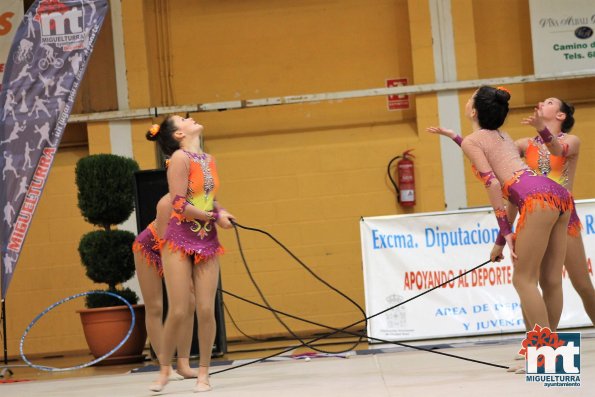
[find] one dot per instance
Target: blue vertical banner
(45, 66)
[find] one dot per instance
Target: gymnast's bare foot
(202, 386)
(173, 375)
(160, 383)
(184, 369)
(202, 383)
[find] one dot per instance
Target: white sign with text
(563, 35)
(406, 255)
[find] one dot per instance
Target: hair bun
(502, 95)
(570, 108)
(153, 131)
(150, 137)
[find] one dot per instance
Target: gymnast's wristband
(211, 216)
(458, 140)
(503, 223)
(546, 135)
(500, 240)
(179, 204)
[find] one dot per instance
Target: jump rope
(334, 330)
(302, 343)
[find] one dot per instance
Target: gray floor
(383, 371)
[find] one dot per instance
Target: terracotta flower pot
(106, 327)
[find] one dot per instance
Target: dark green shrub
(105, 188)
(101, 300)
(106, 198)
(113, 246)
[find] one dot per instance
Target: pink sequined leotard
(495, 157)
(147, 244)
(195, 237)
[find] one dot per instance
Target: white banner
(11, 14)
(405, 255)
(562, 35)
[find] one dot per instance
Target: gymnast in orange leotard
(190, 246)
(558, 117)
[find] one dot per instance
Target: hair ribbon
(154, 130)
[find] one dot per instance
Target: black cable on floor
(344, 329)
(271, 339)
(336, 330)
(293, 334)
(260, 349)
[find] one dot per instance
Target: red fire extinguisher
(405, 176)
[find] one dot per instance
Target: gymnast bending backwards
(190, 246)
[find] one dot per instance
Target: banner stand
(43, 71)
(5, 371)
(13, 10)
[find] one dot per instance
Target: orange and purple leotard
(544, 163)
(147, 244)
(497, 163)
(539, 159)
(194, 237)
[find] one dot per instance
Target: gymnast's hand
(442, 131)
(224, 220)
(496, 255)
(536, 120)
(510, 242)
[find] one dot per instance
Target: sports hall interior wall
(306, 173)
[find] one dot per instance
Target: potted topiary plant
(106, 198)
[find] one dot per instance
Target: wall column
(445, 68)
(120, 132)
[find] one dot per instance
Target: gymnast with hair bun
(557, 159)
(190, 246)
(538, 245)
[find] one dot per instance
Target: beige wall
(504, 31)
(306, 173)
